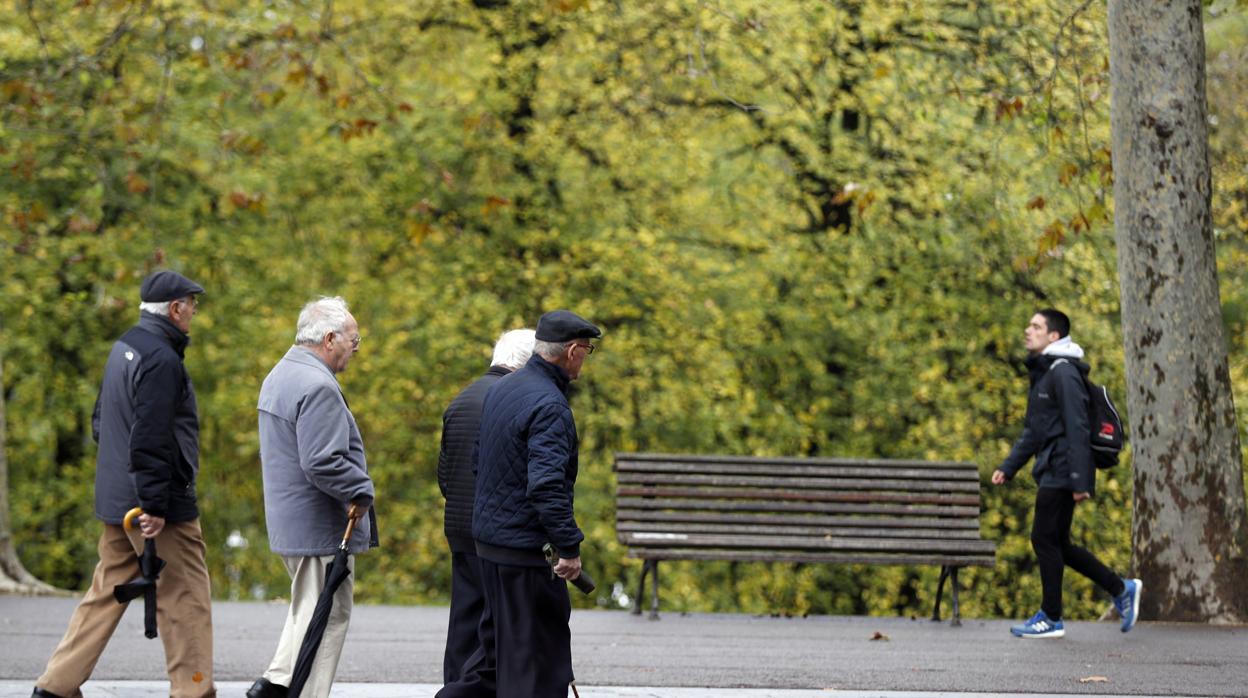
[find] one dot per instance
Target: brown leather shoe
(263, 688)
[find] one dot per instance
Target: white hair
(319, 318)
(161, 309)
(550, 350)
(514, 348)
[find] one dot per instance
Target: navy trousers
(467, 604)
(526, 645)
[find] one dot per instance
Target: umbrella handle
(353, 515)
(125, 522)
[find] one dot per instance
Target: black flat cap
(164, 285)
(565, 326)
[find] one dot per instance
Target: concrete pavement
(393, 651)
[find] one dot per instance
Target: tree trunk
(13, 576)
(1189, 530)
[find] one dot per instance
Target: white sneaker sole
(1052, 635)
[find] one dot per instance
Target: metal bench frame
(802, 510)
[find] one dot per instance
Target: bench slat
(970, 523)
(818, 483)
(809, 557)
(772, 494)
(799, 543)
(811, 507)
(855, 469)
(786, 460)
(820, 531)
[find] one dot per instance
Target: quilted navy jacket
(527, 463)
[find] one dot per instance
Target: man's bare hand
(998, 477)
(1080, 496)
(568, 569)
(151, 526)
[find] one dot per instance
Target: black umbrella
(145, 584)
(335, 575)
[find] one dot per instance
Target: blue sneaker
(1039, 627)
(1128, 603)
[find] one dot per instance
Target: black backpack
(1104, 424)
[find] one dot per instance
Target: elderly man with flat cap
(526, 469)
(147, 426)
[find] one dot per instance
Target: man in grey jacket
(314, 469)
(147, 426)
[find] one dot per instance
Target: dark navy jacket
(460, 424)
(526, 465)
(1055, 429)
(147, 425)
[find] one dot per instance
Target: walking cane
(583, 581)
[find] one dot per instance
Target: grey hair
(319, 318)
(514, 348)
(549, 350)
(161, 309)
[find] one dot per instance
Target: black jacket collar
(163, 327)
(498, 370)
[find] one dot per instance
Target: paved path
(613, 651)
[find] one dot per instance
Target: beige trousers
(183, 612)
(307, 578)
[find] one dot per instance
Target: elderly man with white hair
(313, 462)
(457, 480)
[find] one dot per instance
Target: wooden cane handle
(353, 515)
(126, 522)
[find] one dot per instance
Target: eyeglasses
(589, 348)
(192, 301)
(355, 341)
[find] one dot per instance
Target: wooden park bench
(821, 510)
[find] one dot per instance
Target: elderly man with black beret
(147, 426)
(526, 470)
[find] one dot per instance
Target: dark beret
(565, 326)
(165, 285)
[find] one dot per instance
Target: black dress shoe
(263, 688)
(40, 693)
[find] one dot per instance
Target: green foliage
(807, 228)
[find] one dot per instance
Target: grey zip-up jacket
(147, 426)
(312, 457)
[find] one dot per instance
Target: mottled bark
(1189, 533)
(13, 575)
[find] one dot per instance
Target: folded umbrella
(583, 581)
(145, 584)
(335, 575)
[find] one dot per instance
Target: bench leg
(641, 587)
(957, 610)
(654, 580)
(940, 590)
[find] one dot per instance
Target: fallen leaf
(1094, 679)
(879, 636)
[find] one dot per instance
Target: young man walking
(1056, 433)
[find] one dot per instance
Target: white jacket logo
(129, 356)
